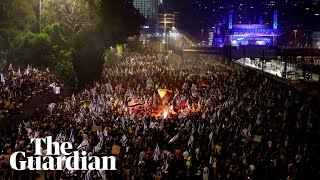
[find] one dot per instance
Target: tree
(87, 28)
(33, 49)
(118, 20)
(61, 56)
(74, 16)
(18, 16)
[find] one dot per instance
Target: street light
(202, 33)
(295, 37)
(40, 2)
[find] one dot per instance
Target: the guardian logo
(62, 158)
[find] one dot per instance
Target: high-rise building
(167, 21)
(150, 10)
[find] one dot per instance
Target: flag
(19, 72)
(20, 127)
(88, 175)
(83, 146)
(164, 93)
(210, 137)
(136, 130)
(156, 153)
(59, 138)
(124, 140)
(191, 139)
(183, 103)
(203, 85)
(145, 127)
(174, 138)
(71, 137)
(116, 102)
(98, 146)
(102, 174)
(2, 78)
(56, 90)
(36, 134)
(85, 106)
(10, 67)
(203, 115)
(135, 102)
(105, 132)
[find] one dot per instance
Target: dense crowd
(17, 87)
(205, 121)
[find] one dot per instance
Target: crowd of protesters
(203, 121)
(18, 87)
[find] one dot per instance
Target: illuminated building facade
(167, 21)
(150, 10)
(248, 34)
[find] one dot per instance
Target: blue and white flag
(136, 130)
(20, 128)
(156, 153)
(210, 137)
(88, 175)
(10, 67)
(2, 80)
(191, 139)
(174, 138)
(71, 171)
(105, 132)
(102, 174)
(19, 72)
(145, 127)
(98, 146)
(124, 140)
(100, 135)
(60, 138)
(83, 146)
(71, 137)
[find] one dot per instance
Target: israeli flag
(2, 81)
(88, 175)
(145, 128)
(156, 153)
(174, 138)
(105, 132)
(10, 67)
(83, 146)
(191, 139)
(98, 146)
(124, 140)
(102, 174)
(71, 171)
(71, 137)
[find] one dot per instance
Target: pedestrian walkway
(309, 86)
(277, 71)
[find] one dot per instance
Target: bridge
(299, 52)
(203, 50)
(253, 52)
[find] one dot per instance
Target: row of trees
(68, 36)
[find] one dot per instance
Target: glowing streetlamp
(295, 36)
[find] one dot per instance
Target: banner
(116, 102)
(164, 93)
(96, 128)
(115, 150)
(135, 102)
(203, 85)
(257, 138)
